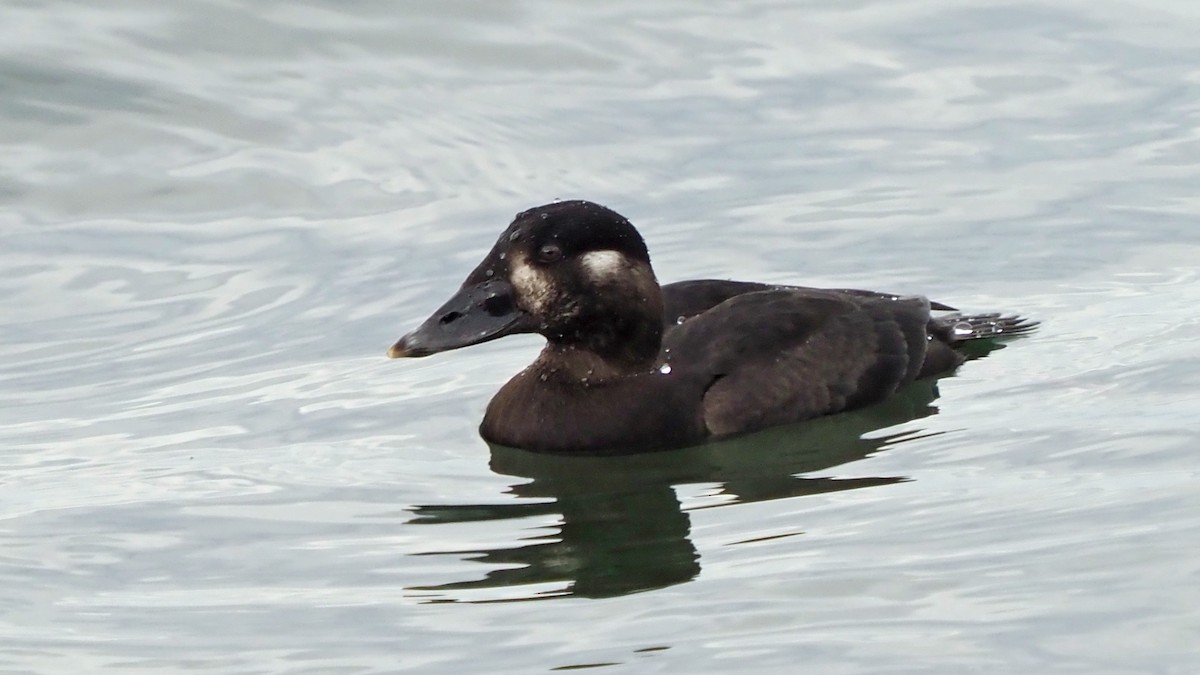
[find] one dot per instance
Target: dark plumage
(631, 366)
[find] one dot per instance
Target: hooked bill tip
(406, 348)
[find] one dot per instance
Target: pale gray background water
(216, 216)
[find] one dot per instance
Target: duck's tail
(954, 338)
(956, 328)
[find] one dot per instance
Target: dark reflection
(622, 527)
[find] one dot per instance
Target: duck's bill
(477, 313)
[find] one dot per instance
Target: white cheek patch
(534, 287)
(603, 265)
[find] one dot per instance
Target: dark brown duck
(631, 366)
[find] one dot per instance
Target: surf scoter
(631, 366)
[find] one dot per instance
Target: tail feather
(956, 328)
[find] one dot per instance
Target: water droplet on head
(542, 377)
(503, 255)
(490, 272)
(680, 320)
(545, 216)
(515, 235)
(665, 369)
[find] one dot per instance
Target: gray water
(216, 216)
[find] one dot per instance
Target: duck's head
(575, 272)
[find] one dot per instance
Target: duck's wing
(788, 354)
(683, 300)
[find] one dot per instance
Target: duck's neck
(575, 362)
(618, 343)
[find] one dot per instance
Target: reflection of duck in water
(632, 366)
(623, 529)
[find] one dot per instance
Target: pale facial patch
(534, 286)
(603, 265)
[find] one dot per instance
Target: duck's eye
(549, 253)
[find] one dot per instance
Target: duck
(630, 365)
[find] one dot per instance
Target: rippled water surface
(218, 215)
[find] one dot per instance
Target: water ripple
(217, 215)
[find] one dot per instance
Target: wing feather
(799, 353)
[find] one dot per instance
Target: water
(217, 216)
